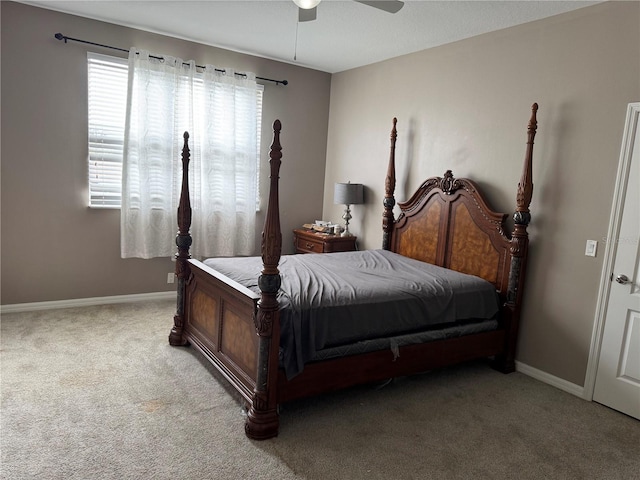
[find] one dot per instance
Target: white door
(617, 382)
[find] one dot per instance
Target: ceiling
(345, 34)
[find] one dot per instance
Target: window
(107, 104)
(107, 98)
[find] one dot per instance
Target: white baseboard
(549, 379)
(86, 302)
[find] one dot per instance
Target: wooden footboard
(237, 330)
(213, 313)
(219, 322)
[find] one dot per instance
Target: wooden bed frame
(446, 222)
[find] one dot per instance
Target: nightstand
(306, 241)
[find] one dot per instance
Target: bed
(280, 328)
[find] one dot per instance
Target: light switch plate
(592, 247)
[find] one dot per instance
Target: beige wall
(53, 246)
(465, 107)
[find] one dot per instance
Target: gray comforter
(330, 300)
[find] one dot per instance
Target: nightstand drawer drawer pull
(309, 245)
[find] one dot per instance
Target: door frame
(631, 128)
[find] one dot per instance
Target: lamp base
(346, 217)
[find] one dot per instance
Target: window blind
(107, 98)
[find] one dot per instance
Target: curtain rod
(60, 36)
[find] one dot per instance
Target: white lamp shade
(306, 4)
(348, 193)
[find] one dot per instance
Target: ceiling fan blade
(306, 15)
(391, 6)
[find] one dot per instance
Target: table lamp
(348, 194)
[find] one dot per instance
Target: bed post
(389, 188)
(519, 247)
(262, 418)
(183, 241)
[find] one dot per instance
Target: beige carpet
(97, 393)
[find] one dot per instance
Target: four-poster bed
(246, 323)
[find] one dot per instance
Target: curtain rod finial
(59, 36)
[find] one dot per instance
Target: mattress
(334, 303)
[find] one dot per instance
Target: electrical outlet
(592, 246)
(170, 277)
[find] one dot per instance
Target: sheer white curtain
(167, 97)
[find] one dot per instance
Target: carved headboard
(447, 222)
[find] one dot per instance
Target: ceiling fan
(307, 9)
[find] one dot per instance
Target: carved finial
(389, 189)
(271, 235)
(525, 186)
(533, 122)
(449, 184)
(390, 181)
(184, 205)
